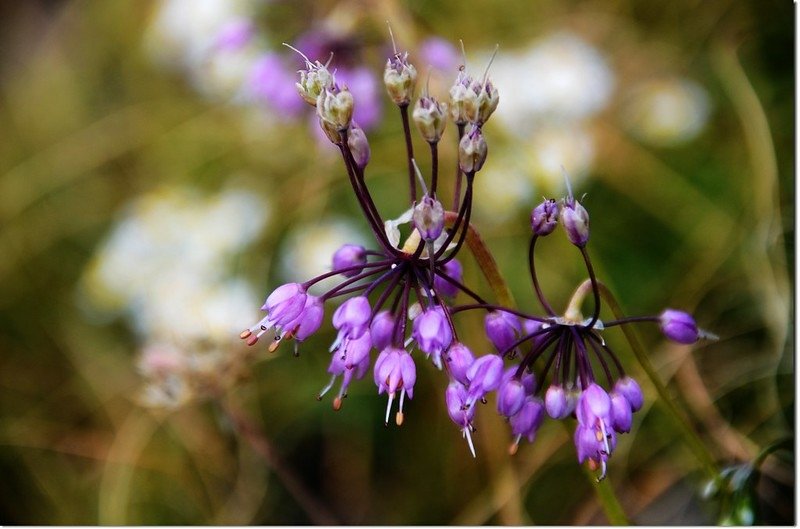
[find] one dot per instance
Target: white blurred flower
(554, 146)
(308, 250)
(166, 264)
(667, 111)
(209, 40)
(561, 77)
(504, 185)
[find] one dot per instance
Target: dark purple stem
(535, 279)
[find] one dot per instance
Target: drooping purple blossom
(348, 257)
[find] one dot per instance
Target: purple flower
(527, 421)
(630, 389)
(594, 438)
(359, 145)
(484, 376)
(440, 54)
(454, 270)
(544, 218)
(510, 395)
(349, 256)
(428, 218)
(432, 333)
(273, 83)
(593, 404)
(458, 360)
(679, 326)
(285, 303)
(235, 34)
(395, 370)
(348, 361)
(621, 414)
(309, 319)
(502, 329)
(382, 329)
(352, 317)
(556, 402)
(459, 411)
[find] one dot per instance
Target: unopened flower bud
(400, 78)
(544, 217)
(486, 100)
(679, 326)
(429, 218)
(621, 413)
(429, 115)
(331, 131)
(358, 144)
(575, 219)
(472, 151)
(459, 359)
(314, 80)
(348, 256)
(556, 403)
(463, 100)
(630, 389)
(336, 107)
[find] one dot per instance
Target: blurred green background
(147, 203)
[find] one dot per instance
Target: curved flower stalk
(397, 296)
(565, 367)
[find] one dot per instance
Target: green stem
(608, 499)
(703, 455)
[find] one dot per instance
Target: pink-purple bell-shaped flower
(309, 319)
(382, 329)
(679, 326)
(348, 258)
(352, 317)
(527, 421)
(459, 411)
(350, 360)
(484, 375)
(630, 389)
(454, 270)
(432, 333)
(502, 328)
(395, 371)
(458, 360)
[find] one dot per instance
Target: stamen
(275, 343)
(512, 450)
(468, 436)
(245, 334)
(398, 419)
(391, 35)
(491, 60)
(388, 409)
(326, 388)
(419, 176)
(337, 403)
(252, 340)
(308, 62)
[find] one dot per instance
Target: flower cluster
(414, 280)
(402, 295)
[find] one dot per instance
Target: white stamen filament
(326, 388)
(388, 408)
(402, 400)
(468, 437)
